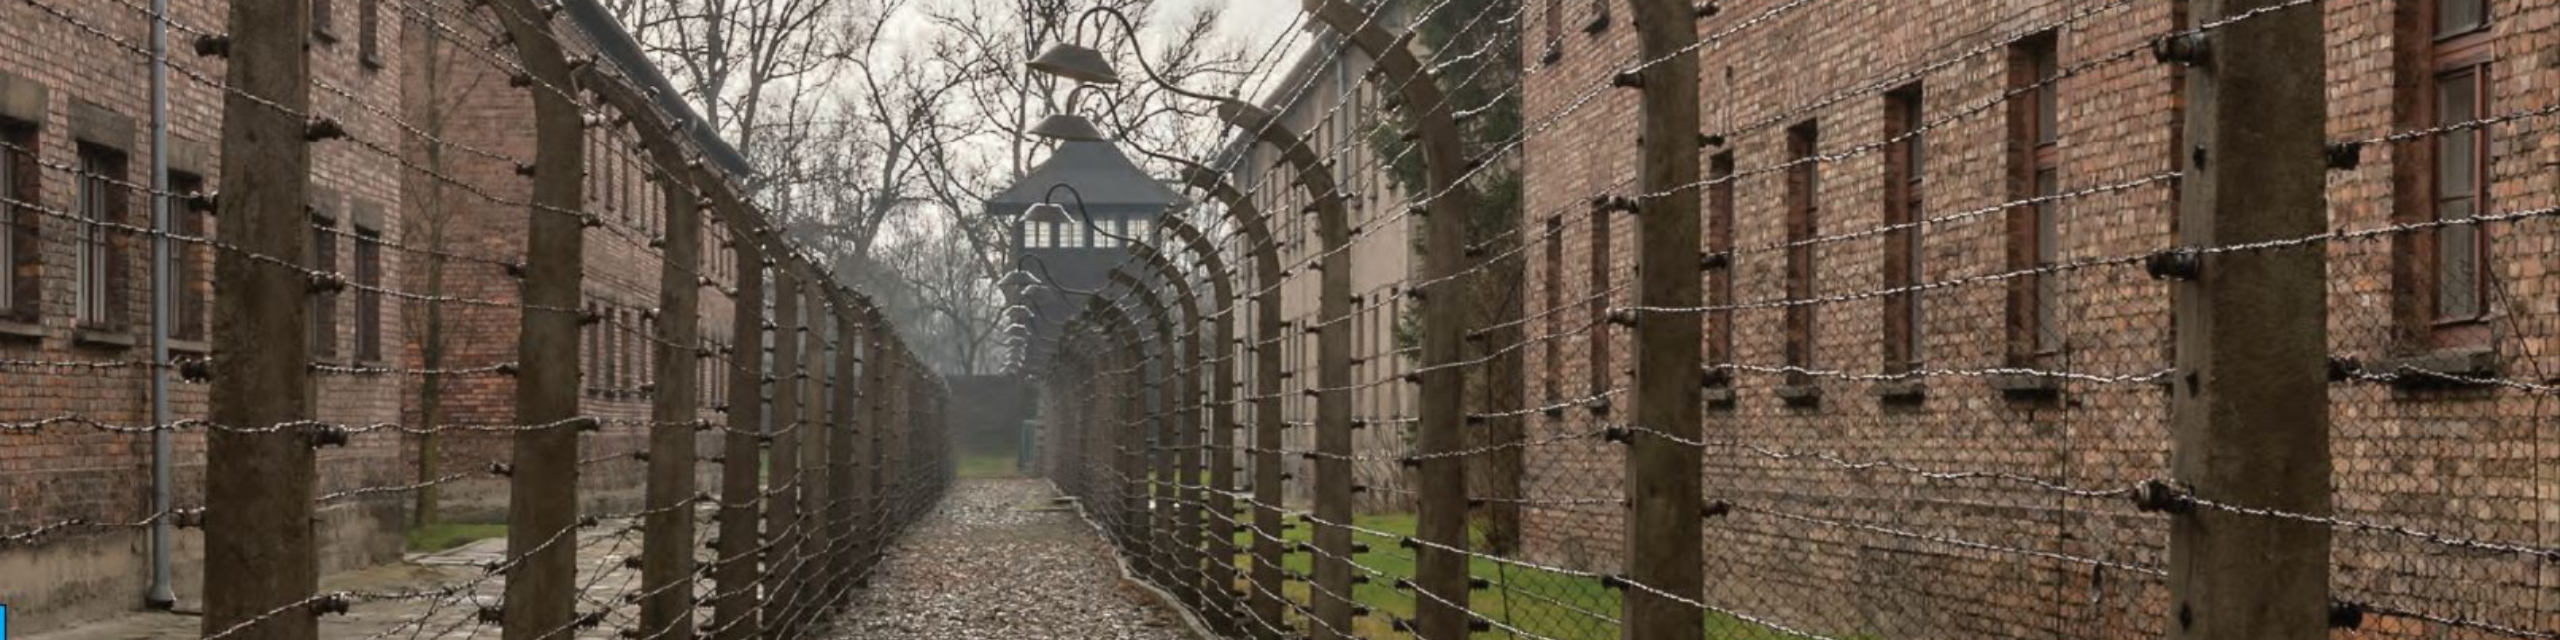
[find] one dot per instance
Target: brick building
(425, 174)
(1917, 213)
(75, 132)
(1324, 96)
(488, 126)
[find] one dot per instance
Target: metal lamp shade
(1019, 279)
(1075, 62)
(1046, 213)
(1068, 126)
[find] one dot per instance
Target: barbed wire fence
(613, 384)
(2195, 388)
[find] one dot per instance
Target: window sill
(1800, 396)
(1900, 391)
(1719, 398)
(2027, 387)
(198, 347)
(102, 338)
(2440, 369)
(21, 330)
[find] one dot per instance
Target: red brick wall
(2470, 463)
(621, 271)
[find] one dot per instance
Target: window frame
(1803, 221)
(2034, 225)
(367, 271)
(323, 12)
(369, 34)
(1596, 304)
(2466, 53)
(1554, 297)
(21, 248)
(1905, 182)
(2431, 56)
(99, 200)
(1719, 285)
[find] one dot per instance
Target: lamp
(1069, 127)
(1019, 279)
(1075, 61)
(1046, 213)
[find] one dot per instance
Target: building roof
(619, 49)
(1097, 170)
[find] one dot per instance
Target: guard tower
(1116, 197)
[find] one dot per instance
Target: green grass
(439, 537)
(987, 465)
(1546, 603)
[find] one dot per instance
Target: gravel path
(996, 560)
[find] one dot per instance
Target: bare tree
(945, 292)
(743, 61)
(871, 121)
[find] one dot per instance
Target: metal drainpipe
(161, 597)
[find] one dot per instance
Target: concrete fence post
(742, 451)
(260, 555)
(1664, 535)
(844, 450)
(542, 504)
(782, 444)
(2249, 415)
(667, 553)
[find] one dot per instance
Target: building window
(369, 34)
(102, 202)
(1905, 160)
(2446, 290)
(321, 11)
(1554, 285)
(1720, 279)
(19, 249)
(324, 304)
(189, 288)
(1804, 209)
(1554, 11)
(1597, 305)
(1106, 234)
(2034, 227)
(368, 273)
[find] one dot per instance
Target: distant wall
(987, 414)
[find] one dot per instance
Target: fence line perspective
(532, 289)
(1831, 320)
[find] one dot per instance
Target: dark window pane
(2458, 264)
(2456, 17)
(368, 272)
(369, 33)
(2457, 153)
(2048, 252)
(2048, 104)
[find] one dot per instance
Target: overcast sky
(1255, 25)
